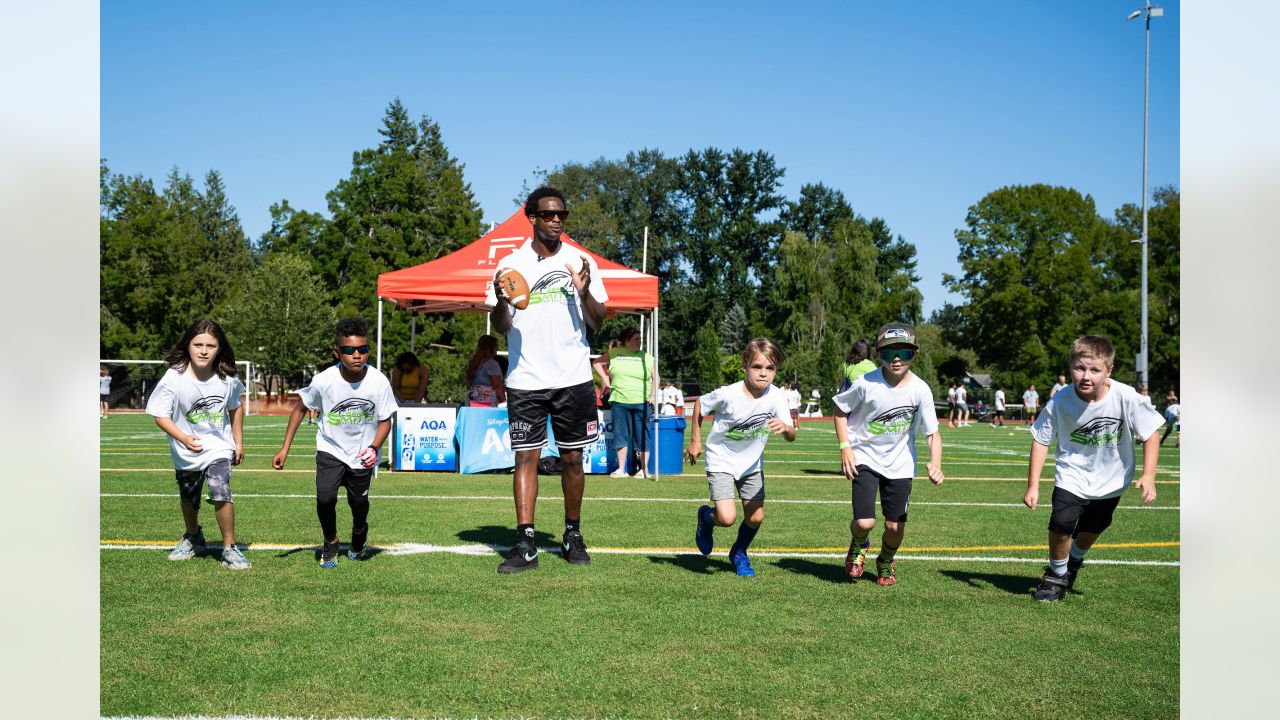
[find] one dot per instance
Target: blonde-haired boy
(1094, 420)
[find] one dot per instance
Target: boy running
(355, 407)
(746, 413)
(877, 421)
(1094, 421)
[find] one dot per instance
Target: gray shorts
(218, 473)
(962, 406)
(749, 486)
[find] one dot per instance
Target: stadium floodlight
(1150, 11)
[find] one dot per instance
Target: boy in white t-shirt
(877, 420)
(1094, 420)
(672, 399)
(356, 404)
(1031, 400)
(197, 403)
(746, 413)
(999, 416)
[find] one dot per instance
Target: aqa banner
(424, 439)
(484, 440)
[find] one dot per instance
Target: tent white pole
(413, 331)
(644, 264)
(248, 389)
(379, 359)
(657, 404)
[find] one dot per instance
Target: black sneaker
(1052, 587)
(524, 556)
(574, 548)
(329, 555)
(1073, 567)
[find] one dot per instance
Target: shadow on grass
(502, 536)
(1012, 584)
(823, 571)
(819, 471)
(693, 563)
(369, 551)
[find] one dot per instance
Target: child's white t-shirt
(1030, 399)
(547, 343)
(198, 408)
(961, 394)
(1095, 457)
(885, 420)
(104, 384)
(740, 431)
(999, 399)
(349, 411)
(951, 394)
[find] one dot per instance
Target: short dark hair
(351, 327)
(531, 203)
(860, 351)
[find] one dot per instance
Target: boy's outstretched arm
(695, 433)
(295, 419)
(848, 461)
(1035, 465)
(934, 466)
(1150, 455)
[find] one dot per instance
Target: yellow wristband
(844, 444)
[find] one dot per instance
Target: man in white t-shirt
(951, 405)
(1094, 422)
(356, 404)
(999, 416)
(746, 414)
(1062, 382)
(104, 392)
(549, 370)
(962, 406)
(1031, 401)
(877, 420)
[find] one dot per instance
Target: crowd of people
(880, 409)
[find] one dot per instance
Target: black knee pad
(327, 497)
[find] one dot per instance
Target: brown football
(514, 287)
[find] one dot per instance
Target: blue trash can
(669, 444)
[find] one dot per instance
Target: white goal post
(133, 380)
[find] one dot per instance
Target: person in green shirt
(626, 374)
(857, 363)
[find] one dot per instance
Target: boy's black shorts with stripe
(894, 494)
(573, 417)
(1073, 514)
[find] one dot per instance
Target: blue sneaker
(189, 546)
(702, 536)
(741, 564)
(234, 559)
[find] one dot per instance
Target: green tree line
(734, 257)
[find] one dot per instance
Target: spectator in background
(104, 392)
(999, 416)
(484, 375)
(951, 405)
(626, 373)
(1031, 400)
(409, 379)
(672, 399)
(1172, 417)
(962, 406)
(1062, 382)
(857, 363)
(793, 398)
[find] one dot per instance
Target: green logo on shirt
(353, 411)
(1098, 432)
(751, 428)
(893, 422)
(206, 409)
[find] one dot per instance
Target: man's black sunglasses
(549, 214)
(353, 349)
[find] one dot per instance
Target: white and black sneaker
(574, 548)
(1052, 587)
(524, 556)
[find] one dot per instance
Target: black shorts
(894, 494)
(332, 473)
(573, 417)
(1073, 514)
(218, 475)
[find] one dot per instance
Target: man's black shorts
(1073, 514)
(332, 473)
(894, 494)
(573, 417)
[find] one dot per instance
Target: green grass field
(427, 628)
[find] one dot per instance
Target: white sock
(1058, 567)
(1077, 553)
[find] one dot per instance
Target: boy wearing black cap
(877, 420)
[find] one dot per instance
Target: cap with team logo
(896, 333)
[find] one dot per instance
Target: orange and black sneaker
(886, 573)
(856, 560)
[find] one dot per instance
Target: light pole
(1149, 11)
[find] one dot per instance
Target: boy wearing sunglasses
(877, 420)
(355, 407)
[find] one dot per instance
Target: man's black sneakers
(524, 556)
(1052, 587)
(1073, 567)
(574, 548)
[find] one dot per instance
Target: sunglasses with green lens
(891, 354)
(353, 349)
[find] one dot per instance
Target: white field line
(478, 550)
(507, 498)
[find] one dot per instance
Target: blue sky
(915, 111)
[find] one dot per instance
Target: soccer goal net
(133, 380)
